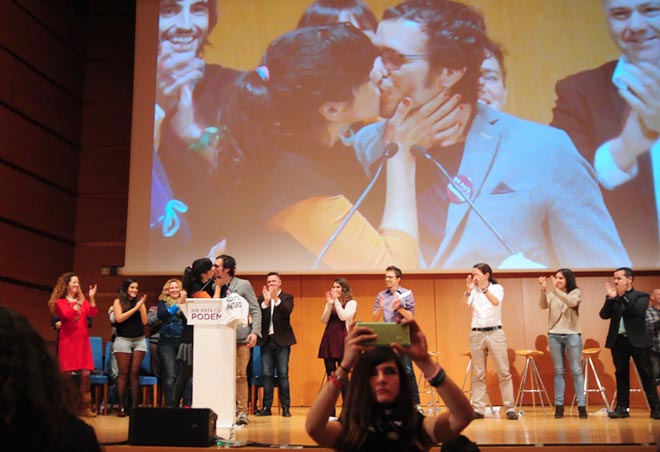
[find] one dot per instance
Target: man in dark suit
(278, 337)
(627, 337)
(612, 114)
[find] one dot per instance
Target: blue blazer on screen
(532, 185)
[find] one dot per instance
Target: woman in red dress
(74, 353)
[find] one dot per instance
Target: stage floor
(533, 429)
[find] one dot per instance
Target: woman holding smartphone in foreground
(379, 413)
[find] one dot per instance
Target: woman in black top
(379, 413)
(197, 282)
(130, 344)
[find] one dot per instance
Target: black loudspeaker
(172, 427)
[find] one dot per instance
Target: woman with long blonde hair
(171, 329)
(74, 352)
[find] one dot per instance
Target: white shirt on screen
(608, 172)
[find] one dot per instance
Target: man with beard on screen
(520, 195)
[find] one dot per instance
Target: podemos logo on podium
(206, 314)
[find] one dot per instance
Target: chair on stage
(531, 373)
(639, 388)
(148, 380)
(257, 380)
(467, 378)
(588, 355)
(98, 379)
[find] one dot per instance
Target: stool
(638, 389)
(255, 395)
(531, 372)
(428, 391)
(588, 355)
(465, 380)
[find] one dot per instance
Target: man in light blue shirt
(393, 304)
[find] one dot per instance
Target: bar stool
(637, 389)
(588, 355)
(465, 380)
(531, 372)
(430, 393)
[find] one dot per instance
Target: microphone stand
(419, 151)
(390, 150)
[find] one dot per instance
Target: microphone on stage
(419, 151)
(390, 150)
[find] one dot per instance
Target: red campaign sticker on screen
(465, 185)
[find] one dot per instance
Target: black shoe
(655, 414)
(511, 415)
(478, 415)
(619, 413)
(559, 411)
(582, 412)
(286, 412)
(264, 412)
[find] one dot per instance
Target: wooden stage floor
(532, 431)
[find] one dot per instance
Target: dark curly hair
(456, 38)
(36, 400)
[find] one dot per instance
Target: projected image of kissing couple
(290, 163)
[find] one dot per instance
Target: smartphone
(387, 332)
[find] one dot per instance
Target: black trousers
(622, 351)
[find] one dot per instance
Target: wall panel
(34, 95)
(36, 205)
(37, 46)
(27, 146)
(32, 258)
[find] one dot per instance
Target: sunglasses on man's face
(393, 60)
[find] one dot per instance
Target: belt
(489, 328)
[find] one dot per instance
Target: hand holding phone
(387, 333)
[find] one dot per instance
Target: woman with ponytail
(291, 117)
(198, 281)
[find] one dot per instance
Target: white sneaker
(242, 419)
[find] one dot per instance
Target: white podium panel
(214, 353)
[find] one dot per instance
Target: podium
(214, 353)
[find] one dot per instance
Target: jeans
(167, 350)
(407, 363)
(561, 346)
(273, 355)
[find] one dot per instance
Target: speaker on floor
(172, 427)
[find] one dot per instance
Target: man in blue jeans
(277, 339)
(392, 304)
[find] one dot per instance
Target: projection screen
(516, 193)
